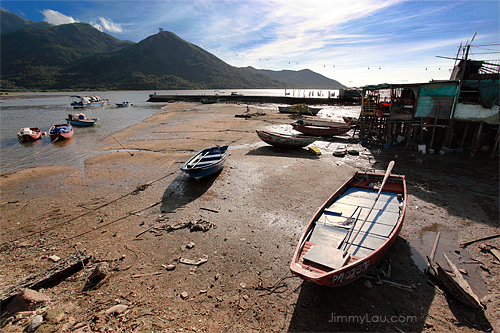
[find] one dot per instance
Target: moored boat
(288, 109)
(81, 120)
(285, 140)
(28, 134)
(124, 104)
(350, 120)
(80, 102)
(209, 101)
(206, 162)
(353, 229)
(320, 127)
(60, 132)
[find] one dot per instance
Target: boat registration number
(350, 274)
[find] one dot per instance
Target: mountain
(300, 79)
(10, 22)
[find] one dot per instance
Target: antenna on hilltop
(161, 30)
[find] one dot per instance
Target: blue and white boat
(206, 162)
(79, 102)
(81, 120)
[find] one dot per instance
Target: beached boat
(81, 120)
(353, 229)
(285, 140)
(320, 127)
(80, 102)
(28, 134)
(206, 162)
(124, 104)
(61, 132)
(351, 121)
(288, 109)
(210, 101)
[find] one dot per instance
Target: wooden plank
(328, 235)
(327, 256)
(52, 275)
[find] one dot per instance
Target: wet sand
(119, 205)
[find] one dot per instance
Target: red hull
(29, 134)
(356, 266)
(321, 130)
(60, 136)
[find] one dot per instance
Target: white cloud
(56, 18)
(106, 25)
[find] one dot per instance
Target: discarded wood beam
(147, 274)
(478, 240)
(455, 284)
(435, 246)
(50, 276)
(489, 248)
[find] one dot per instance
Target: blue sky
(355, 42)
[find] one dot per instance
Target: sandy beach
(122, 208)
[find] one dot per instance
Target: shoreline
(116, 208)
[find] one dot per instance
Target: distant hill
(300, 79)
(10, 22)
(165, 61)
(77, 56)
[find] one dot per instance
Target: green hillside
(300, 79)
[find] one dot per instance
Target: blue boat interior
(337, 227)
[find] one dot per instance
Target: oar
(387, 174)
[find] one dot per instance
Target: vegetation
(299, 110)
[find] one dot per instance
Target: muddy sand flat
(133, 209)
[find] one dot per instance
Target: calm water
(47, 111)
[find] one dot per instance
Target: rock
(99, 273)
(55, 316)
(190, 245)
(184, 295)
(117, 309)
(367, 284)
(35, 322)
(170, 267)
(54, 258)
(27, 300)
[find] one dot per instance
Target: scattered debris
(170, 267)
(198, 262)
(27, 300)
(99, 274)
(55, 273)
(367, 284)
(184, 295)
(190, 245)
(54, 258)
(478, 240)
(490, 248)
(147, 274)
(36, 321)
(117, 309)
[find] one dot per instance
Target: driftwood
(479, 239)
(456, 284)
(53, 274)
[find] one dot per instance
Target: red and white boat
(28, 134)
(61, 132)
(320, 127)
(345, 238)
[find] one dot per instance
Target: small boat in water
(60, 132)
(288, 109)
(80, 102)
(320, 127)
(285, 140)
(28, 134)
(81, 120)
(124, 104)
(206, 162)
(353, 229)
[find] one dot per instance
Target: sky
(356, 42)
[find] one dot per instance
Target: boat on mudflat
(80, 102)
(60, 132)
(209, 101)
(81, 120)
(353, 229)
(285, 140)
(288, 109)
(28, 134)
(320, 127)
(350, 120)
(206, 162)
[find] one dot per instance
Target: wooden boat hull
(61, 132)
(350, 121)
(327, 265)
(213, 101)
(29, 134)
(284, 140)
(288, 109)
(206, 162)
(122, 105)
(321, 130)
